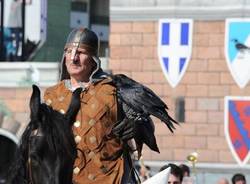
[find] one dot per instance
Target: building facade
(133, 43)
(134, 28)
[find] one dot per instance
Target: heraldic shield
(237, 49)
(174, 47)
(237, 127)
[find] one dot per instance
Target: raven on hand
(138, 102)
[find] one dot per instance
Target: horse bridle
(29, 169)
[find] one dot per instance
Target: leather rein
(29, 169)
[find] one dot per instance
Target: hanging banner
(237, 127)
(237, 49)
(174, 47)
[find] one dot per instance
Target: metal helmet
(86, 39)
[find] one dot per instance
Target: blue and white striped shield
(237, 49)
(174, 47)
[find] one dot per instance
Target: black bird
(144, 133)
(138, 103)
(239, 46)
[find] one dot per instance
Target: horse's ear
(35, 102)
(74, 105)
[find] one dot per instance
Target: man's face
(172, 179)
(79, 64)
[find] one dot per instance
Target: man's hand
(124, 129)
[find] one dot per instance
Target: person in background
(163, 167)
(185, 170)
(144, 172)
(238, 179)
(187, 179)
(223, 181)
(175, 175)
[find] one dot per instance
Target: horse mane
(57, 130)
(58, 133)
(17, 172)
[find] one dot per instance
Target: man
(176, 175)
(101, 157)
(187, 179)
(238, 179)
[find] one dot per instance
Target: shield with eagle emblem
(237, 127)
(237, 49)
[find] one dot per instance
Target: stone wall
(206, 81)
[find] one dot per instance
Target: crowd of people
(237, 178)
(181, 174)
(178, 174)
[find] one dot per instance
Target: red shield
(237, 127)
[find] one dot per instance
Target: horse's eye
(34, 156)
(33, 141)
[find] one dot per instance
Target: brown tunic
(94, 163)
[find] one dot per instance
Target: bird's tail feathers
(164, 116)
(169, 121)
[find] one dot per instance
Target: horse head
(47, 149)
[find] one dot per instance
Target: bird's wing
(146, 102)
